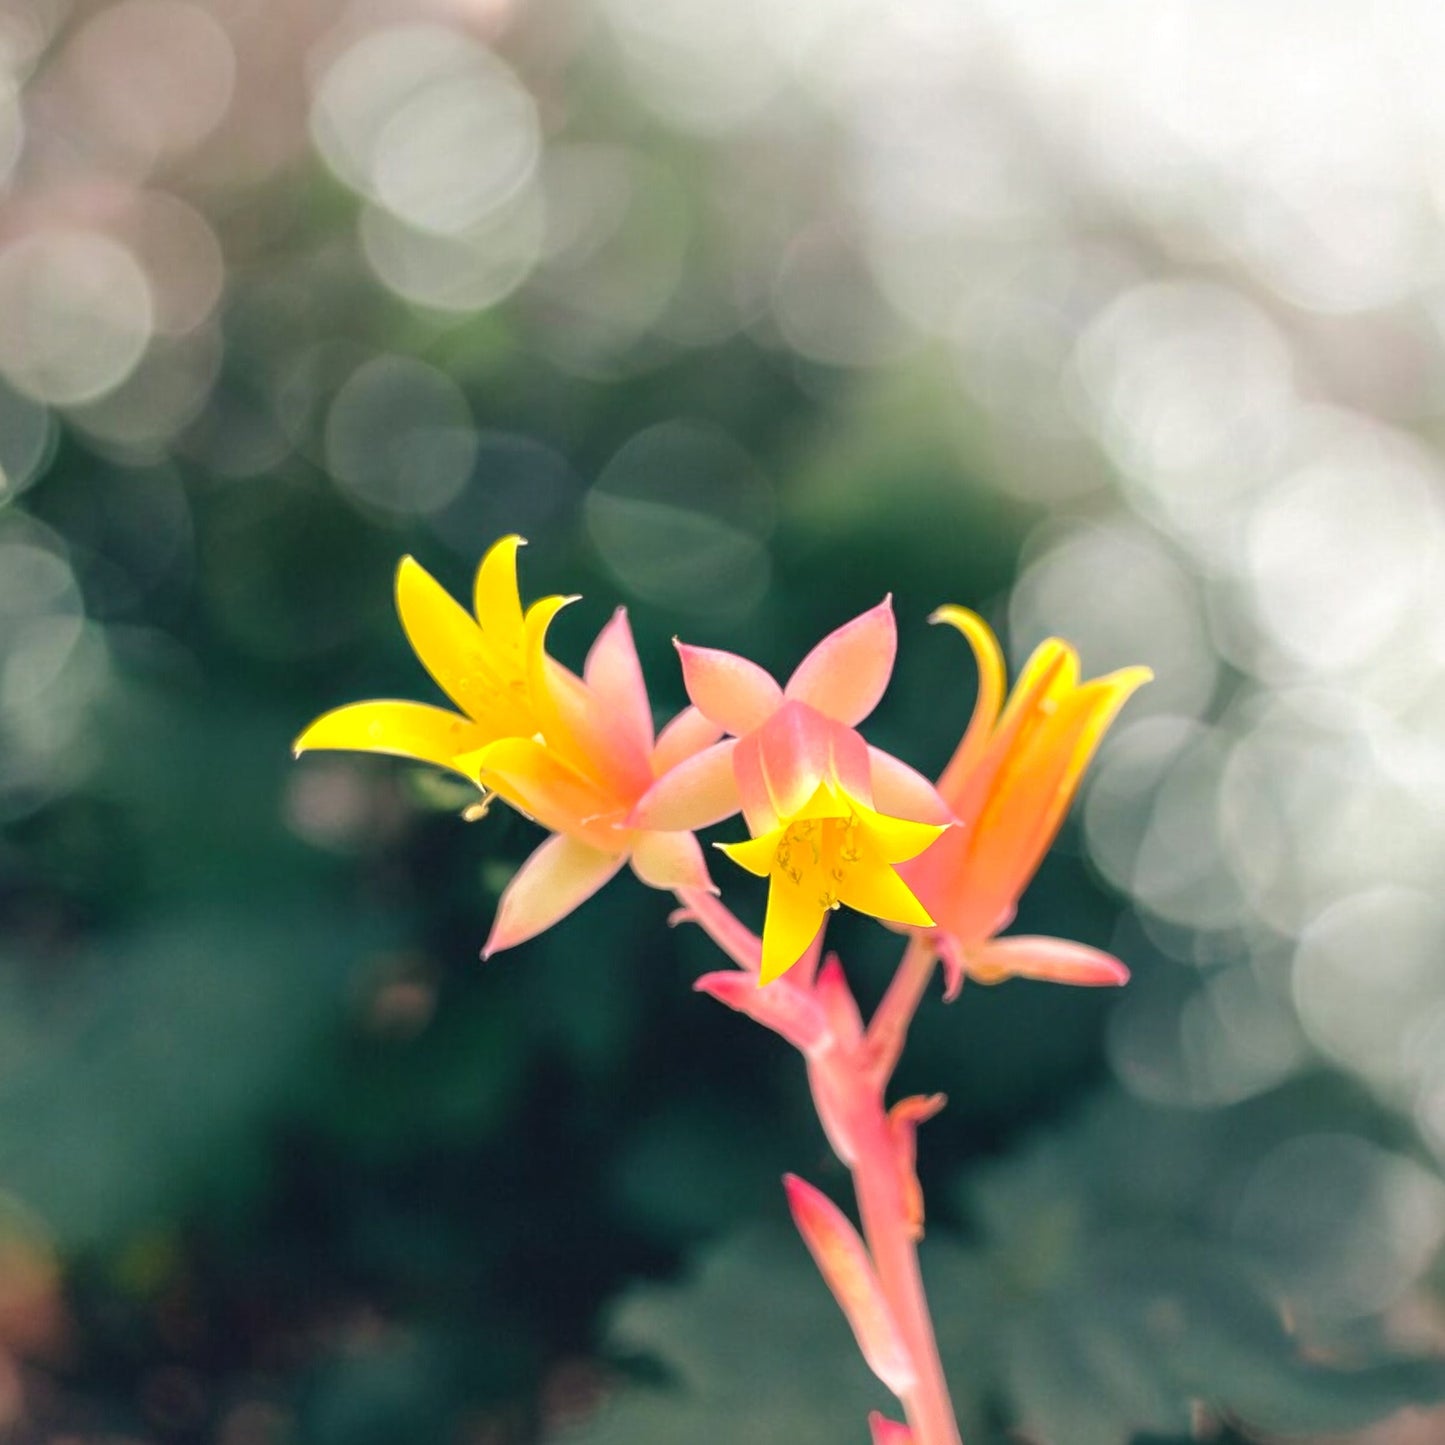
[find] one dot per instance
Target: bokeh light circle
(76, 314)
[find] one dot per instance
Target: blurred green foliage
(280, 1160)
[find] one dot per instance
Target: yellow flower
(574, 753)
(479, 662)
(834, 850)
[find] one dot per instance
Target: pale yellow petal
(559, 876)
(670, 861)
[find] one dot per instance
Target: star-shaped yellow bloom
(834, 850)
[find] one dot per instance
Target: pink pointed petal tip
(1051, 960)
(888, 1432)
(844, 1263)
(736, 694)
(846, 674)
(790, 1012)
(614, 674)
(561, 875)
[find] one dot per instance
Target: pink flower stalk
(829, 815)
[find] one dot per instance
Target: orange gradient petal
(534, 780)
(992, 682)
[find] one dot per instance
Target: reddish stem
(889, 1233)
(854, 1075)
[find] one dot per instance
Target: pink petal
(575, 720)
(846, 674)
(1053, 960)
(559, 876)
(888, 1432)
(789, 1011)
(735, 693)
(699, 791)
(903, 792)
(848, 1271)
(794, 750)
(614, 674)
(670, 861)
(851, 764)
(688, 733)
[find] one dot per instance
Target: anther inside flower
(834, 850)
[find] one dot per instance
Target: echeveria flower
(1009, 783)
(829, 814)
(575, 753)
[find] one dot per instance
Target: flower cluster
(832, 820)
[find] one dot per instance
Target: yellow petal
(992, 680)
(472, 672)
(757, 855)
(1034, 787)
(795, 913)
(495, 594)
(404, 729)
(872, 887)
(897, 839)
(532, 778)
